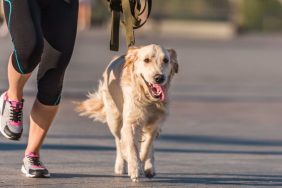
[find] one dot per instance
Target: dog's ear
(131, 55)
(173, 59)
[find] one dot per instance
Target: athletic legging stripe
(58, 100)
(9, 25)
(43, 33)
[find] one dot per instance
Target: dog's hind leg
(147, 153)
(115, 127)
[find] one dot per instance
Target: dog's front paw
(150, 173)
(120, 167)
(149, 169)
(135, 179)
(135, 173)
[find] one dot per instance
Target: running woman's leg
(16, 82)
(40, 121)
(59, 23)
(23, 20)
(24, 23)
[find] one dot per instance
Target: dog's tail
(93, 107)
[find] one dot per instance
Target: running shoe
(11, 116)
(33, 168)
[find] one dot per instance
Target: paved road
(224, 129)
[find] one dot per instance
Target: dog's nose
(159, 78)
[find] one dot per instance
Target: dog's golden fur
(124, 101)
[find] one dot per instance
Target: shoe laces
(34, 160)
(16, 112)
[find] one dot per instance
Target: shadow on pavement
(191, 139)
(217, 151)
(11, 147)
(69, 175)
(220, 179)
(213, 140)
(73, 136)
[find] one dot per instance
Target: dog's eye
(147, 60)
(166, 60)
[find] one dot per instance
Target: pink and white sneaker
(33, 168)
(11, 116)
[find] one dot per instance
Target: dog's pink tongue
(160, 91)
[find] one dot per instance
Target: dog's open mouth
(156, 90)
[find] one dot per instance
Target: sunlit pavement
(224, 128)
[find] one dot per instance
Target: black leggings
(43, 32)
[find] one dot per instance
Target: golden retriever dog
(132, 99)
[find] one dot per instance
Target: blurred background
(226, 101)
(242, 15)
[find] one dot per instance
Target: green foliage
(191, 9)
(263, 15)
(175, 9)
(258, 15)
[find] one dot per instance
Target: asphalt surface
(224, 128)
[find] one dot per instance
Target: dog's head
(155, 67)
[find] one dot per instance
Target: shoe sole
(34, 176)
(5, 135)
(2, 130)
